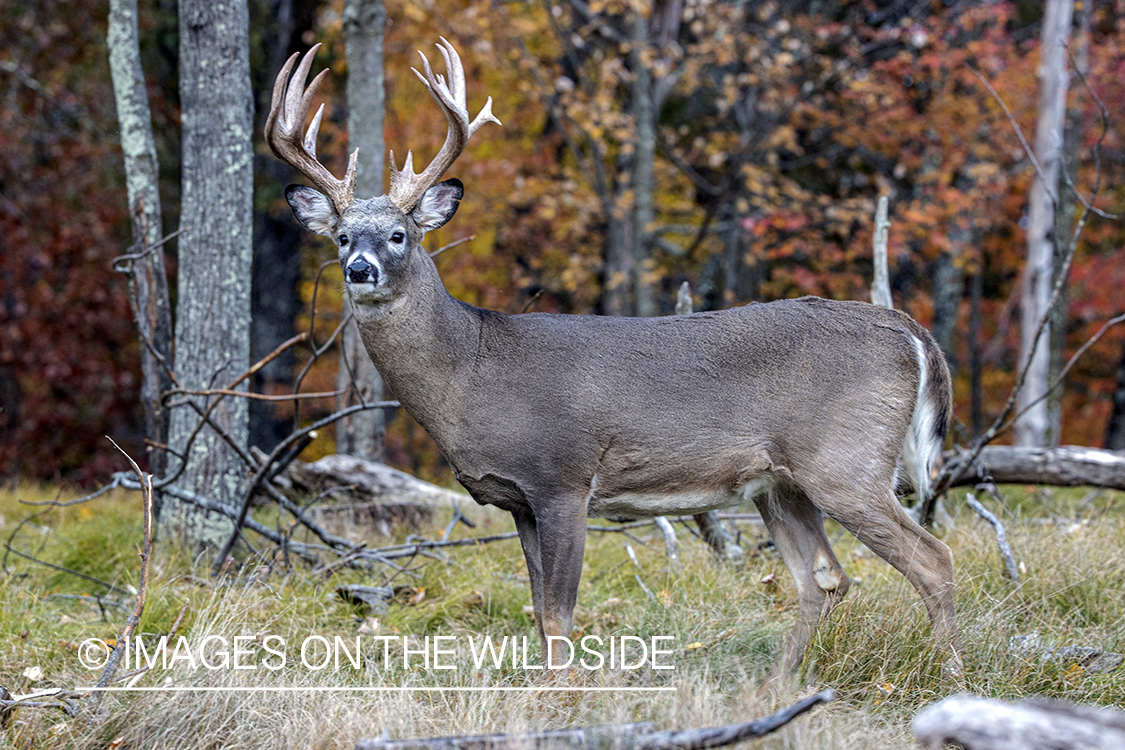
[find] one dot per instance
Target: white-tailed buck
(808, 407)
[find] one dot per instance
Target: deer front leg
(561, 536)
(529, 540)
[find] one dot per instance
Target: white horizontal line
(371, 689)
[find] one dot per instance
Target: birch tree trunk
(1064, 227)
(148, 284)
(213, 312)
(361, 435)
(1032, 428)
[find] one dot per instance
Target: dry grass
(874, 651)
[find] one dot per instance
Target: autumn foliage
(778, 129)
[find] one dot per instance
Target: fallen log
(615, 736)
(366, 493)
(1064, 466)
(974, 723)
(367, 481)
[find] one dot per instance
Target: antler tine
(456, 74)
(297, 99)
(407, 187)
(288, 111)
(313, 132)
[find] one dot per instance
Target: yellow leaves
(983, 171)
(785, 137)
(884, 691)
(415, 12)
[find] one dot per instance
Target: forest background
(776, 127)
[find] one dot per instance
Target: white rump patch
(921, 447)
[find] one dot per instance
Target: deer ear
(315, 212)
(438, 204)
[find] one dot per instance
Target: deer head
(375, 236)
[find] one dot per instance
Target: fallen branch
(1010, 565)
(1065, 466)
(108, 586)
(671, 546)
(976, 723)
(620, 736)
(406, 550)
(136, 674)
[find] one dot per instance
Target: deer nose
(359, 271)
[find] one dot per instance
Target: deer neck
(419, 340)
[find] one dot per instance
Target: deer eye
(397, 237)
(343, 239)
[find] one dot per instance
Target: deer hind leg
(890, 533)
(796, 526)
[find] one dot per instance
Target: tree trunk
(618, 262)
(275, 304)
(976, 367)
(361, 435)
(1032, 428)
(213, 313)
(1064, 227)
(275, 301)
(644, 118)
(148, 284)
(1115, 430)
(949, 283)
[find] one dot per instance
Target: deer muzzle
(361, 271)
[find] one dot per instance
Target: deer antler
(288, 111)
(406, 186)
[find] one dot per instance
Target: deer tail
(933, 408)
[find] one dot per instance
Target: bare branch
(134, 618)
(1010, 566)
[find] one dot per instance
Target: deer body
(807, 407)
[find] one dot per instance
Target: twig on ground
(1012, 569)
(136, 674)
(621, 736)
(134, 617)
(107, 586)
(671, 546)
(100, 601)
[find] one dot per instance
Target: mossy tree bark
(148, 284)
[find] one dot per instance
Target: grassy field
(725, 626)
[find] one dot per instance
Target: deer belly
(631, 505)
